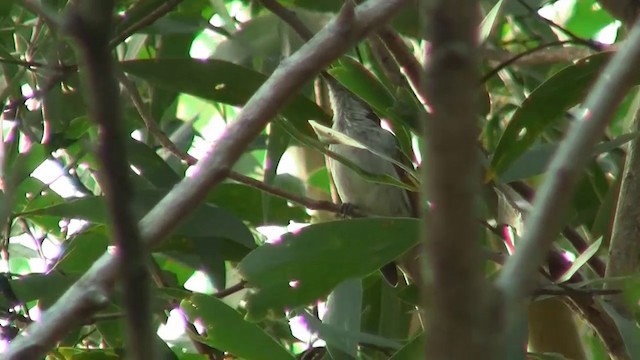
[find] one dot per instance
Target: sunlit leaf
(581, 260)
(490, 21)
(228, 331)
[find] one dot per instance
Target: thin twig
(231, 290)
(542, 57)
(587, 42)
(519, 56)
(156, 14)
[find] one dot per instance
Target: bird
(354, 118)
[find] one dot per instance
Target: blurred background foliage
(187, 69)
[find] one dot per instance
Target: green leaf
(414, 349)
(219, 81)
(228, 331)
(261, 38)
(46, 288)
(604, 217)
(320, 6)
(113, 332)
(535, 160)
(319, 178)
(23, 164)
(251, 205)
(228, 22)
(341, 338)
(581, 260)
(385, 312)
(545, 356)
(277, 143)
(490, 21)
(545, 105)
(34, 194)
(61, 104)
(83, 250)
(150, 165)
(335, 137)
(587, 19)
(627, 327)
(87, 354)
(306, 264)
(403, 109)
(344, 306)
(204, 221)
(361, 82)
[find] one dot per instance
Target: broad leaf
(581, 260)
(219, 81)
(304, 265)
(204, 221)
(545, 105)
(228, 331)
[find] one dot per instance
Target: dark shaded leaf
(87, 354)
(83, 250)
(218, 81)
(355, 77)
(344, 306)
(414, 349)
(536, 159)
(252, 205)
(46, 288)
(545, 105)
(627, 327)
(150, 165)
(204, 221)
(341, 338)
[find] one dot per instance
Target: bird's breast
(370, 197)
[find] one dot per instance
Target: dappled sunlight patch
(174, 327)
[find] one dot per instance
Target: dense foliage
(266, 266)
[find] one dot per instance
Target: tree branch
(90, 24)
(90, 292)
(463, 317)
(624, 250)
